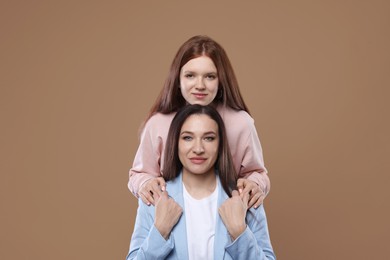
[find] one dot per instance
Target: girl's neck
(199, 186)
(213, 104)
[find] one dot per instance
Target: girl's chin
(202, 103)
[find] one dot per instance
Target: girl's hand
(250, 188)
(167, 214)
(151, 190)
(233, 212)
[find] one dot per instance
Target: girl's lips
(200, 95)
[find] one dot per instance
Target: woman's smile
(198, 160)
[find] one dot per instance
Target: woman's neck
(199, 186)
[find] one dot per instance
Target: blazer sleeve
(254, 242)
(252, 165)
(146, 241)
(146, 163)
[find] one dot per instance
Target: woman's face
(198, 145)
(199, 81)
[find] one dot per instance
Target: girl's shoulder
(238, 118)
(159, 120)
(157, 126)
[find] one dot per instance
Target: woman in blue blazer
(198, 168)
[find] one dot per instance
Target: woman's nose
(198, 147)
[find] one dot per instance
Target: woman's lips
(197, 160)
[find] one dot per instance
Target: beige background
(78, 77)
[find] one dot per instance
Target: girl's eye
(211, 76)
(189, 76)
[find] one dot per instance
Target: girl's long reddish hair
(170, 98)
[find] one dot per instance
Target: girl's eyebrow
(209, 72)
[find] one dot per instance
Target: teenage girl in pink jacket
(200, 73)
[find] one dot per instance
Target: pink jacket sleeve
(245, 146)
(252, 165)
(146, 164)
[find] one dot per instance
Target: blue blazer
(147, 242)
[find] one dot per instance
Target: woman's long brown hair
(224, 163)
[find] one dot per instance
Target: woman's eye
(187, 138)
(188, 75)
(209, 138)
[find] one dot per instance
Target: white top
(200, 223)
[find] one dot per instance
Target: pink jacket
(243, 142)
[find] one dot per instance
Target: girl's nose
(200, 84)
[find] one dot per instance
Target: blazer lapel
(222, 237)
(179, 232)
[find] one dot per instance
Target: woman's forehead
(199, 123)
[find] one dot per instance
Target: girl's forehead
(201, 63)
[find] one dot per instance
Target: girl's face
(198, 145)
(199, 81)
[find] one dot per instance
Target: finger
(254, 199)
(248, 188)
(245, 198)
(146, 198)
(164, 195)
(259, 201)
(161, 182)
(235, 193)
(240, 185)
(155, 190)
(246, 192)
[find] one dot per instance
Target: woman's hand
(233, 212)
(252, 189)
(167, 214)
(151, 190)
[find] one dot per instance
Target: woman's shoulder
(255, 216)
(174, 187)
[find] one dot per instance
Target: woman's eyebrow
(186, 132)
(205, 133)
